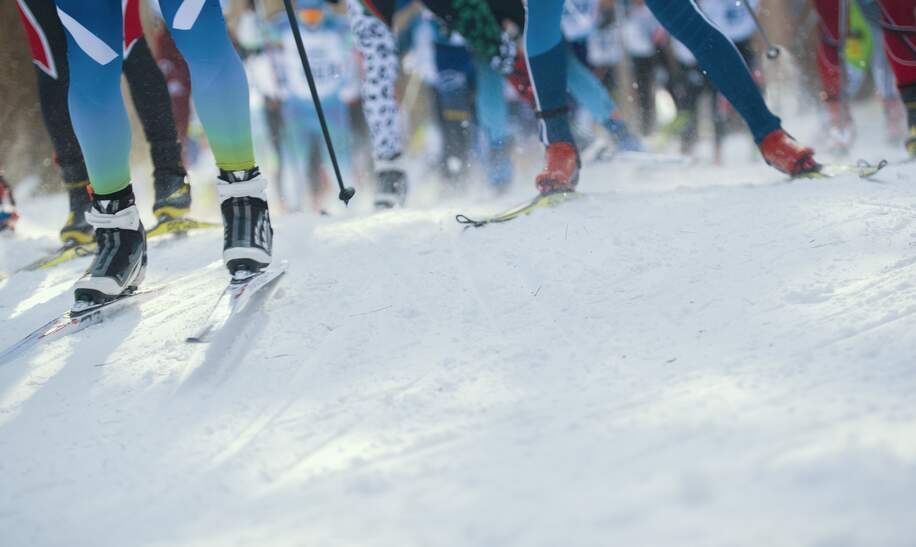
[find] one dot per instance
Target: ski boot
(173, 198)
(247, 232)
(623, 138)
(121, 262)
(77, 230)
(391, 184)
(561, 174)
(8, 215)
(784, 153)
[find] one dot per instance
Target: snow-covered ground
(703, 356)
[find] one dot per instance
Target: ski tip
(195, 340)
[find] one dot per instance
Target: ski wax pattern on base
(235, 299)
(75, 320)
(541, 201)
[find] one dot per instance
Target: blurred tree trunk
(24, 145)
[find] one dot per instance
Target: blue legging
(715, 54)
(588, 91)
(492, 110)
(95, 36)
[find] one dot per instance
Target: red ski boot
(784, 153)
(561, 174)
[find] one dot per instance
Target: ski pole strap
(552, 113)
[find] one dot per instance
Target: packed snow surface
(701, 356)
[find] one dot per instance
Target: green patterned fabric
(474, 20)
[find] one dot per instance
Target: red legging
(898, 18)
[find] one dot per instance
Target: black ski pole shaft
(346, 193)
(772, 51)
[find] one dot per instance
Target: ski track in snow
(700, 357)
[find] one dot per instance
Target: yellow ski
(539, 202)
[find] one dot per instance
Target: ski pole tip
(346, 194)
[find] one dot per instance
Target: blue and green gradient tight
(95, 52)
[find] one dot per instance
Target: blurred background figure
(734, 20)
(334, 66)
(8, 215)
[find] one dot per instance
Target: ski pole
(346, 193)
(772, 50)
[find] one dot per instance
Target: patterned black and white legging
(376, 43)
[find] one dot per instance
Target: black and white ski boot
(390, 184)
(248, 235)
(121, 263)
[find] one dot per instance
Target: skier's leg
(295, 129)
(8, 214)
(899, 22)
(338, 116)
(693, 83)
(719, 58)
(376, 43)
(883, 76)
(221, 101)
(94, 40)
(493, 116)
(842, 132)
(587, 90)
(453, 90)
(644, 76)
(220, 85)
(546, 57)
(178, 81)
(39, 17)
(152, 102)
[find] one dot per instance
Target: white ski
(74, 320)
(235, 298)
